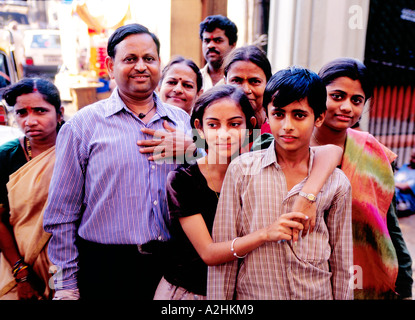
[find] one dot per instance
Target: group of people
(228, 182)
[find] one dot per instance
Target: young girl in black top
(224, 118)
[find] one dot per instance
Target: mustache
(212, 50)
(140, 73)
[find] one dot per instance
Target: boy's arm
(339, 223)
(326, 159)
(222, 278)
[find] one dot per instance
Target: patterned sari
(366, 163)
(28, 192)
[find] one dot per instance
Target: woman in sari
(26, 168)
(248, 67)
(181, 83)
(381, 260)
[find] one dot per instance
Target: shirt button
(159, 237)
(155, 202)
(153, 167)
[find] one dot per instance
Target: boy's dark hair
(190, 63)
(221, 22)
(122, 32)
(46, 88)
(249, 53)
(295, 84)
(350, 68)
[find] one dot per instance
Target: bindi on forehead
(213, 38)
(24, 110)
(31, 109)
(28, 108)
(179, 78)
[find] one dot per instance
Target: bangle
(17, 263)
(20, 265)
(22, 279)
(20, 268)
(233, 250)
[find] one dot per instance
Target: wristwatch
(309, 196)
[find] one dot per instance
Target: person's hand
(29, 286)
(309, 208)
(284, 227)
(169, 143)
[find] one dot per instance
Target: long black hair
(46, 88)
(249, 53)
(350, 68)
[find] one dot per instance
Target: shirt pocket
(314, 248)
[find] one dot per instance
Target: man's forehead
(217, 33)
(140, 41)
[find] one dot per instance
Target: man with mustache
(219, 36)
(107, 211)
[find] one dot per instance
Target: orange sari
(366, 164)
(28, 192)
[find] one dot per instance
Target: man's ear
(320, 120)
(110, 66)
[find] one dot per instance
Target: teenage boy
(260, 186)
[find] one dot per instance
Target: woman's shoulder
(372, 143)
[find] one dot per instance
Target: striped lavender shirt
(104, 183)
(254, 194)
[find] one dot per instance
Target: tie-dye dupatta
(367, 165)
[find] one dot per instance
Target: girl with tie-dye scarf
(382, 264)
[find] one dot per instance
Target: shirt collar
(115, 105)
(270, 157)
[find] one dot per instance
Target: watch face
(311, 197)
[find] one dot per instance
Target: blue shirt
(102, 187)
(406, 175)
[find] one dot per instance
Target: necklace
(208, 176)
(28, 148)
(143, 115)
